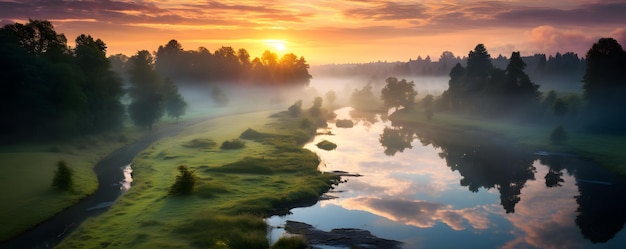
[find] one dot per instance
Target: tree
(63, 177)
(559, 108)
(604, 85)
(316, 109)
(364, 99)
(398, 93)
(175, 104)
(147, 106)
(185, 182)
(428, 103)
(330, 97)
(102, 86)
(478, 68)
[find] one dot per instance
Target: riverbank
(603, 149)
(235, 189)
(26, 191)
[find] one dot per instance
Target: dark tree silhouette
(396, 139)
(102, 87)
(398, 93)
(604, 85)
(484, 165)
(148, 101)
(175, 104)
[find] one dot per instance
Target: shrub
(344, 123)
(251, 134)
(185, 182)
(326, 145)
(62, 176)
(558, 135)
(233, 144)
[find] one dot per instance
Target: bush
(558, 135)
(292, 242)
(233, 144)
(326, 145)
(344, 123)
(62, 176)
(185, 182)
(251, 134)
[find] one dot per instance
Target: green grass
(607, 150)
(26, 191)
(235, 189)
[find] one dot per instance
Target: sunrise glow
(278, 45)
(337, 31)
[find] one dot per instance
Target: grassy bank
(26, 191)
(606, 150)
(235, 189)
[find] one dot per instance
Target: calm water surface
(433, 192)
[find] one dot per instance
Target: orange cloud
(548, 39)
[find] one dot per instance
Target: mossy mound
(233, 144)
(326, 145)
(200, 143)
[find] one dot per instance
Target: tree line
(227, 65)
(51, 90)
(559, 69)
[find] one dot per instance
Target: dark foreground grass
(608, 151)
(26, 171)
(235, 190)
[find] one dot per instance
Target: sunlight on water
(486, 199)
(128, 178)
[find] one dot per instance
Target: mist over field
(283, 125)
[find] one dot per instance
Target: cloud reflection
(419, 213)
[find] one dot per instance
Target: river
(429, 192)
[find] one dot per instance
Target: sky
(334, 31)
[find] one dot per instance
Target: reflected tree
(486, 165)
(396, 139)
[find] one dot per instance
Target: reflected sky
(416, 198)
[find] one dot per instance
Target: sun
(278, 45)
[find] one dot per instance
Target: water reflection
(481, 191)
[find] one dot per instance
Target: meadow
(26, 191)
(235, 189)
